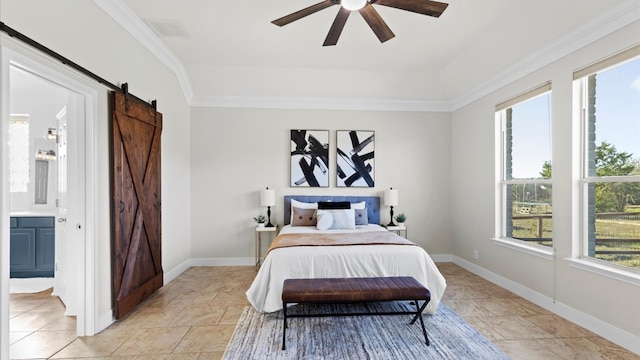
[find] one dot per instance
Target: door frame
(87, 278)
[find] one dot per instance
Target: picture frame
(309, 158)
(355, 158)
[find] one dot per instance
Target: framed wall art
(355, 158)
(309, 158)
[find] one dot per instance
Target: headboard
(373, 204)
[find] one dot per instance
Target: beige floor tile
(483, 328)
(154, 316)
(17, 335)
(461, 292)
(153, 341)
(216, 355)
(506, 307)
(582, 349)
(515, 327)
(558, 326)
(100, 345)
(608, 346)
(41, 344)
(525, 349)
(190, 356)
(206, 339)
(199, 316)
(466, 308)
(32, 321)
(231, 315)
(63, 323)
(21, 304)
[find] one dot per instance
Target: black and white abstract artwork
(309, 158)
(355, 158)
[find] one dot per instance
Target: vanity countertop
(32, 214)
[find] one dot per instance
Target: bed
(312, 251)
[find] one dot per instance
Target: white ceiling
(437, 59)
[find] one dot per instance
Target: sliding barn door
(136, 212)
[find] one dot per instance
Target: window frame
(581, 258)
(503, 184)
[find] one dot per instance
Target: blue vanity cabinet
(32, 247)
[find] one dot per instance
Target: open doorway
(63, 196)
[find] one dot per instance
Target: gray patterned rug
(259, 336)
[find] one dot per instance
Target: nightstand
(258, 240)
(398, 229)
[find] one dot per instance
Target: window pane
(18, 153)
(614, 235)
(613, 149)
(615, 113)
(530, 216)
(530, 132)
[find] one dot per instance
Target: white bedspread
(265, 294)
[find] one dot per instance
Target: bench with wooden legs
(355, 290)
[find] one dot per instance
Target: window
(525, 181)
(610, 104)
(18, 153)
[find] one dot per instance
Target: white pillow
(340, 219)
(325, 219)
(301, 205)
(359, 205)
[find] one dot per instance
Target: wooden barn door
(136, 212)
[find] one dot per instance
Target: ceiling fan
(368, 12)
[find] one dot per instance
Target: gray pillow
(362, 218)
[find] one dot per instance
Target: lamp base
(269, 224)
(391, 217)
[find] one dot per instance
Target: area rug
(259, 336)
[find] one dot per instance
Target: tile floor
(194, 316)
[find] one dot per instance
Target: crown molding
(125, 17)
(620, 16)
(318, 103)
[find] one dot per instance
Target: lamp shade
(267, 197)
(391, 197)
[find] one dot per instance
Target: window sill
(596, 267)
(546, 254)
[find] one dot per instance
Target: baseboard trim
(606, 330)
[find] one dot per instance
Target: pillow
(340, 219)
(334, 205)
(361, 216)
(303, 217)
(359, 205)
(301, 205)
(325, 220)
(343, 219)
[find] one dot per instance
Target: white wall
(237, 152)
(82, 32)
(604, 300)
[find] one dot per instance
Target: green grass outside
(528, 228)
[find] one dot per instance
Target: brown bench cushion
(354, 289)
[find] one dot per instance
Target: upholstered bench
(355, 290)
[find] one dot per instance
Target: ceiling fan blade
(425, 7)
(376, 23)
(336, 27)
(302, 13)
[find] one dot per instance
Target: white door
(61, 271)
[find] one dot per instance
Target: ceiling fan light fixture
(353, 4)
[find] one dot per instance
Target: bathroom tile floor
(193, 317)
